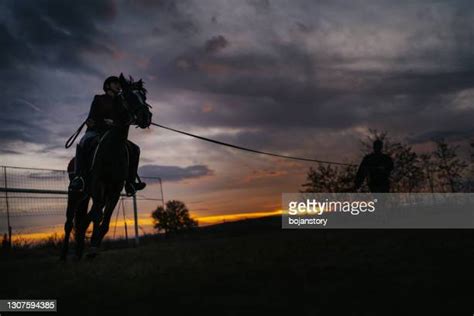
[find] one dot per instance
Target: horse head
(134, 95)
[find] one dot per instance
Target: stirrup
(130, 189)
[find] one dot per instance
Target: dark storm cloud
(248, 74)
(422, 83)
(276, 92)
(55, 33)
(37, 38)
(23, 121)
(21, 130)
(261, 6)
(289, 84)
(175, 173)
(12, 50)
(263, 66)
(293, 77)
(449, 135)
(166, 17)
(216, 44)
(53, 50)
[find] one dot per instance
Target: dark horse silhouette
(108, 173)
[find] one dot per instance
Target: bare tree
(407, 175)
(389, 146)
(471, 167)
(327, 178)
(450, 168)
(429, 170)
(442, 170)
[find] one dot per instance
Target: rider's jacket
(105, 107)
(377, 168)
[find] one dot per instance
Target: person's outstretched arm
(361, 174)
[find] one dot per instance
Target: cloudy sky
(304, 78)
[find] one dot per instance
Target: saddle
(91, 154)
(95, 148)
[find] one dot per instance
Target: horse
(109, 169)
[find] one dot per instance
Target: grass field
(253, 266)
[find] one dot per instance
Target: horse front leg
(108, 211)
(67, 232)
(95, 216)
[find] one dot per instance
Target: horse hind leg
(67, 232)
(72, 202)
(80, 226)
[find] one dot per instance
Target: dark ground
(254, 266)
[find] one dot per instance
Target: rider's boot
(78, 184)
(131, 187)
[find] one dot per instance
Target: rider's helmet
(108, 81)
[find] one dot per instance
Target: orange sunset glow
(145, 224)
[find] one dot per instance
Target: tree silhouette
(174, 217)
(470, 180)
(441, 170)
(429, 170)
(407, 175)
(450, 168)
(330, 179)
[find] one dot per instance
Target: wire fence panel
(34, 199)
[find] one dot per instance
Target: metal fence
(32, 198)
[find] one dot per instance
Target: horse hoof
(91, 256)
(76, 258)
(93, 252)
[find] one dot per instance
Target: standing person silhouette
(376, 167)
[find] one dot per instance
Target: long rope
(252, 150)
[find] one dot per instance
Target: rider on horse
(105, 110)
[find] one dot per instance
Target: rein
(73, 137)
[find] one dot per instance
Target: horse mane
(132, 84)
(136, 85)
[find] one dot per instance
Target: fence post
(125, 222)
(8, 208)
(162, 196)
(135, 215)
